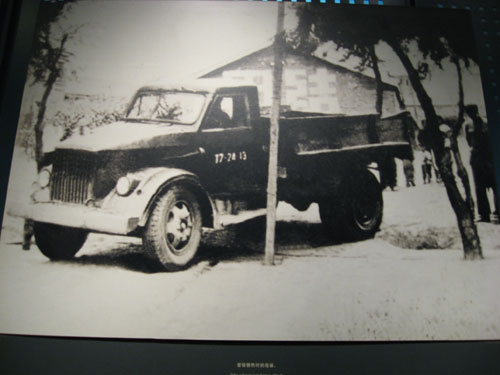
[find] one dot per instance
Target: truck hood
(124, 135)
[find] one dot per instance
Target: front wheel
(173, 232)
(57, 242)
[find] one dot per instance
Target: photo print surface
(140, 178)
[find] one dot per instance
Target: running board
(228, 219)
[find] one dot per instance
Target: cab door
(232, 157)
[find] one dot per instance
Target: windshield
(167, 106)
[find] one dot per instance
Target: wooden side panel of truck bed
(312, 135)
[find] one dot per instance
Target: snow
(318, 290)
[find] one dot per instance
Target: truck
(186, 157)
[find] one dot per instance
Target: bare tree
(439, 38)
(47, 61)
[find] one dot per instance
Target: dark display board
(36, 354)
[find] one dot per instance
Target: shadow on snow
(241, 242)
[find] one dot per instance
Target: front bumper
(90, 218)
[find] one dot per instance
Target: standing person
(27, 234)
(427, 167)
(436, 169)
(388, 173)
(409, 171)
(481, 161)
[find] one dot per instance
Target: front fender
(151, 183)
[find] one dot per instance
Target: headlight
(123, 186)
(44, 178)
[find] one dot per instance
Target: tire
(57, 242)
(331, 213)
(364, 207)
(173, 232)
(356, 210)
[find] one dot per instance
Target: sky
(122, 45)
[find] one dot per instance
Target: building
(445, 100)
(310, 84)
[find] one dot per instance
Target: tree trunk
(461, 106)
(378, 81)
(54, 70)
(422, 96)
(272, 182)
(39, 124)
(461, 171)
(465, 218)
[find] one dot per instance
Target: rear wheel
(356, 210)
(57, 242)
(173, 232)
(331, 213)
(364, 207)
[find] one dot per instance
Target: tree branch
(378, 79)
(461, 107)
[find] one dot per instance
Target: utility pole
(272, 180)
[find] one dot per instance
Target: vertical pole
(272, 182)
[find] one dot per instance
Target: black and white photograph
(251, 171)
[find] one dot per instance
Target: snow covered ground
(318, 290)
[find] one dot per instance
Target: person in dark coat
(481, 161)
(388, 173)
(427, 167)
(409, 172)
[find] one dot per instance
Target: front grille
(72, 176)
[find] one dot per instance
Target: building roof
(266, 50)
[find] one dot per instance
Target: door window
(228, 112)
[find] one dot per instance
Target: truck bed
(314, 133)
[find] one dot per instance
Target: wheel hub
(179, 225)
(365, 211)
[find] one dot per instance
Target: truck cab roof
(205, 85)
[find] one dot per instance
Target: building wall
(444, 106)
(310, 85)
(357, 95)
